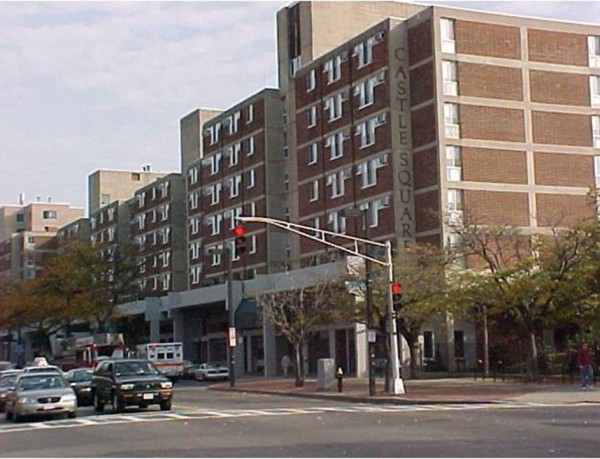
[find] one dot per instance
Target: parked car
(7, 381)
(42, 394)
(123, 383)
(80, 380)
(211, 372)
(189, 368)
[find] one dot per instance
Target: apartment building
(157, 235)
(243, 171)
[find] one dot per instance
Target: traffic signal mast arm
(306, 231)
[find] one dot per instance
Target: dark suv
(130, 382)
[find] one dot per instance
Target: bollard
(339, 374)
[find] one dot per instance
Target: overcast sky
(102, 85)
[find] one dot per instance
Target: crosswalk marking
(200, 413)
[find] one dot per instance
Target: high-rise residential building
(157, 236)
(106, 186)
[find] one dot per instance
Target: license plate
(49, 407)
(148, 396)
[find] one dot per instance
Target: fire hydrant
(339, 374)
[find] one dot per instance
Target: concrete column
(332, 344)
(178, 325)
(450, 358)
(152, 315)
(360, 331)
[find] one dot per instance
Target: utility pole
(231, 310)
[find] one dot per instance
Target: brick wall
(425, 167)
(564, 170)
(561, 129)
(487, 40)
(494, 207)
(427, 208)
(559, 88)
(491, 123)
(420, 42)
(421, 84)
(490, 81)
(557, 47)
(496, 166)
(561, 209)
(423, 126)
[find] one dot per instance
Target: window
(364, 51)
(447, 31)
(234, 186)
(216, 255)
(365, 90)
(373, 208)
(428, 349)
(597, 170)
(250, 114)
(215, 162)
(313, 155)
(164, 211)
(311, 117)
(337, 222)
(104, 199)
(250, 146)
(30, 240)
(141, 221)
(595, 90)
(166, 281)
(455, 206)
(195, 250)
(234, 155)
(366, 130)
(20, 218)
(333, 68)
(193, 200)
(194, 225)
(335, 143)
(336, 182)
(49, 214)
(368, 170)
(451, 119)
(596, 131)
(594, 50)
(232, 215)
(135, 177)
(215, 193)
(314, 191)
(449, 73)
(234, 121)
(196, 271)
(252, 248)
(111, 234)
(141, 199)
(111, 214)
(214, 131)
(193, 175)
(251, 178)
(310, 81)
(335, 105)
(453, 163)
(164, 189)
(215, 224)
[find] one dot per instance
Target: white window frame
(196, 271)
(250, 114)
(314, 191)
(194, 225)
(311, 81)
(452, 120)
(234, 184)
(453, 163)
(335, 143)
(193, 175)
(313, 153)
(595, 90)
(193, 200)
(596, 131)
(450, 77)
(448, 37)
(333, 68)
(250, 151)
(597, 170)
(455, 200)
(253, 245)
(594, 50)
(311, 117)
(251, 178)
(337, 222)
(194, 250)
(364, 52)
(337, 182)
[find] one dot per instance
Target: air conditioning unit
(454, 174)
(594, 61)
(451, 88)
(449, 46)
(452, 131)
(455, 217)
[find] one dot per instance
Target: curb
(355, 399)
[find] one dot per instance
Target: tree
(298, 313)
(528, 278)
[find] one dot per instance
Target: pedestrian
(584, 362)
(286, 363)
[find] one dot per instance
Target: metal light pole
(397, 386)
(231, 310)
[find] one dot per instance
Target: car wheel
(98, 405)
(117, 403)
(72, 414)
(166, 405)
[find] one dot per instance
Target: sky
(102, 85)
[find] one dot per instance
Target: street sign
(372, 336)
(232, 340)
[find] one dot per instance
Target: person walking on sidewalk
(584, 362)
(286, 363)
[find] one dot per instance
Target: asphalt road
(219, 424)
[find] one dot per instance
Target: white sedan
(211, 372)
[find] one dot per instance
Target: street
(222, 424)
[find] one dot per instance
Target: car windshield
(41, 383)
(134, 368)
(43, 370)
(8, 380)
(80, 376)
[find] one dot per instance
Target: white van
(167, 357)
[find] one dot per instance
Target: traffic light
(397, 296)
(240, 240)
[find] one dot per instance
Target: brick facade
(484, 39)
(490, 81)
(559, 88)
(492, 123)
(495, 166)
(561, 129)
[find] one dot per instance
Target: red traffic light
(397, 288)
(239, 230)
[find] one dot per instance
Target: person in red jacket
(584, 362)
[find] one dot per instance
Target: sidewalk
(430, 391)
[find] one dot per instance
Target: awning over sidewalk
(247, 315)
